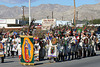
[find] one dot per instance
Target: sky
(12, 3)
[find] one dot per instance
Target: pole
(23, 17)
(77, 15)
(74, 12)
(29, 12)
(62, 18)
(52, 14)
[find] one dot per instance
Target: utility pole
(47, 17)
(23, 17)
(52, 14)
(77, 15)
(29, 12)
(74, 12)
(62, 18)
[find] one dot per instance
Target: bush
(95, 21)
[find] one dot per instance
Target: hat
(68, 32)
(36, 38)
(82, 31)
(51, 32)
(74, 31)
(78, 31)
(87, 32)
(92, 31)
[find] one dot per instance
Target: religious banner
(53, 52)
(86, 41)
(1, 50)
(79, 30)
(27, 48)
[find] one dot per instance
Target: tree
(95, 21)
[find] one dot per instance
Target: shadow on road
(98, 55)
(9, 62)
(38, 64)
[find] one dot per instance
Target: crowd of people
(56, 44)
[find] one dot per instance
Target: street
(84, 62)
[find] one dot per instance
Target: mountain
(42, 11)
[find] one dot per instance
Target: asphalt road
(85, 62)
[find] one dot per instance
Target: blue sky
(11, 3)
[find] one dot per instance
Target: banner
(47, 23)
(53, 52)
(27, 48)
(1, 50)
(79, 30)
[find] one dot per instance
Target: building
(10, 24)
(46, 23)
(80, 23)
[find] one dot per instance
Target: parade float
(27, 48)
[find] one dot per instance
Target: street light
(29, 12)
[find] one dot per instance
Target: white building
(57, 22)
(8, 22)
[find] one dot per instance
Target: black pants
(2, 59)
(17, 53)
(88, 53)
(72, 55)
(76, 55)
(80, 54)
(99, 46)
(12, 53)
(8, 53)
(61, 56)
(69, 53)
(84, 52)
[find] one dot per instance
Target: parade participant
(19, 50)
(79, 44)
(85, 44)
(42, 51)
(37, 48)
(47, 43)
(93, 48)
(74, 45)
(97, 43)
(53, 51)
(19, 46)
(61, 49)
(14, 46)
(82, 43)
(1, 51)
(88, 43)
(8, 45)
(67, 45)
(4, 40)
(51, 35)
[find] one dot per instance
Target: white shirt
(15, 44)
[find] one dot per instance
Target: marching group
(56, 45)
(66, 45)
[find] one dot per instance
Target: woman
(37, 48)
(14, 45)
